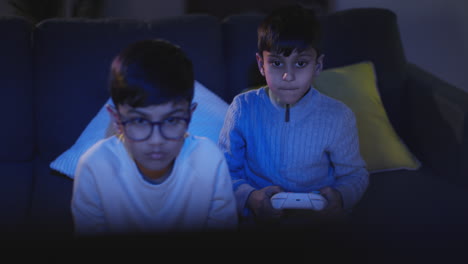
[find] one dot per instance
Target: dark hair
(288, 29)
(151, 72)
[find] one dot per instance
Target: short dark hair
(287, 29)
(151, 72)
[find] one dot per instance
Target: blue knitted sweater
(318, 146)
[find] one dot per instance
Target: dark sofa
(53, 79)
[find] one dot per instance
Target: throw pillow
(207, 121)
(356, 86)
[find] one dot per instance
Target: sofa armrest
(436, 124)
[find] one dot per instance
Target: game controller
(290, 200)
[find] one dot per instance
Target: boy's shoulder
(197, 146)
(332, 105)
(201, 154)
(252, 94)
(104, 156)
(104, 149)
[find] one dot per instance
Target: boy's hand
(335, 202)
(259, 202)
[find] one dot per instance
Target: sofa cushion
(50, 213)
(412, 208)
(355, 85)
(15, 196)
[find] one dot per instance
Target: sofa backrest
(348, 37)
(17, 129)
(73, 56)
(371, 34)
(16, 89)
(240, 46)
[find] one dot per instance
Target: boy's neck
(156, 175)
(277, 102)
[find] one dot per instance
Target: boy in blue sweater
(287, 136)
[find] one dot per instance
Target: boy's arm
(351, 175)
(232, 144)
(86, 209)
(223, 214)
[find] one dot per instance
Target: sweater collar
(296, 111)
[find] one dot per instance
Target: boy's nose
(156, 137)
(288, 76)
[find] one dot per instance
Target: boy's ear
(193, 107)
(112, 112)
(260, 64)
(114, 118)
(319, 64)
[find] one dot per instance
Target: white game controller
(290, 200)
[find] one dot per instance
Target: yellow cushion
(356, 86)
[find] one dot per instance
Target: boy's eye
(301, 64)
(173, 120)
(138, 121)
(276, 63)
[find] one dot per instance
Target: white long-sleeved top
(111, 196)
(316, 146)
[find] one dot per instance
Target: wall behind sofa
(139, 9)
(5, 8)
(434, 34)
(143, 9)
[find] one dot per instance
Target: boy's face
(289, 78)
(154, 151)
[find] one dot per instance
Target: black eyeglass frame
(155, 123)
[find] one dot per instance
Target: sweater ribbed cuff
(242, 193)
(347, 195)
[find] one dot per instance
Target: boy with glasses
(152, 176)
(287, 136)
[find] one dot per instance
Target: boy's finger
(325, 190)
(273, 212)
(272, 190)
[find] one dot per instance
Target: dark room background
(434, 32)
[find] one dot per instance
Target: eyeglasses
(140, 129)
